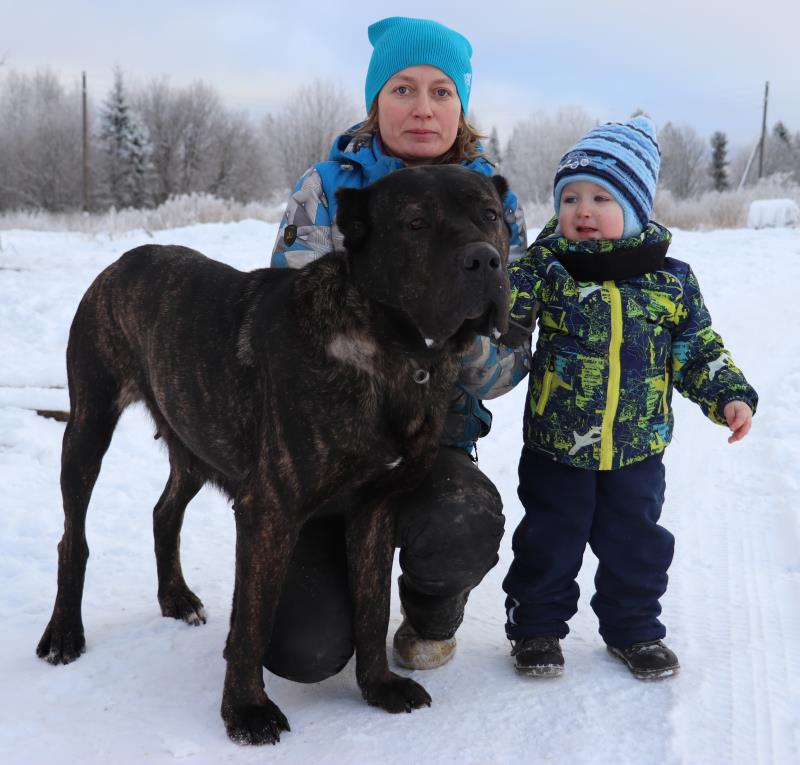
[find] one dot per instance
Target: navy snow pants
(616, 512)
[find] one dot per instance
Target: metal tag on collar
(421, 376)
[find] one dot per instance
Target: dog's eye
(489, 215)
(417, 224)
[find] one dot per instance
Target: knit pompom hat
(624, 159)
(400, 42)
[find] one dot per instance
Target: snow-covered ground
(148, 689)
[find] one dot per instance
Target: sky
(702, 63)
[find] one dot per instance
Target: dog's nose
(481, 257)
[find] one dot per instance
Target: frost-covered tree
(302, 133)
(719, 161)
(782, 153)
(199, 146)
(536, 145)
(493, 148)
(40, 142)
(238, 163)
(127, 168)
(684, 160)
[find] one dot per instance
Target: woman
(449, 529)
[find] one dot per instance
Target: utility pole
(763, 131)
(85, 148)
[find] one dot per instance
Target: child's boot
(651, 660)
(538, 657)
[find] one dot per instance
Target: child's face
(588, 211)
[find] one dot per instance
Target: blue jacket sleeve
(489, 369)
(515, 220)
(306, 231)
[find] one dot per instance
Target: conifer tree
(719, 161)
(127, 150)
(493, 148)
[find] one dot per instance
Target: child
(620, 324)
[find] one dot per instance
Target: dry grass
(177, 211)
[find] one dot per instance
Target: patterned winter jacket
(308, 230)
(619, 324)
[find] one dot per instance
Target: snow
(148, 689)
(773, 213)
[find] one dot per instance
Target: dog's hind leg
(185, 480)
(95, 410)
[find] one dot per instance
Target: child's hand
(739, 417)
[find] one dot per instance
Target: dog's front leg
(370, 549)
(265, 537)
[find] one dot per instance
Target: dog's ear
(501, 184)
(352, 216)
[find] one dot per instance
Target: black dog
(286, 388)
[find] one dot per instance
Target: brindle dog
(287, 389)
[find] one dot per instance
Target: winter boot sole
(542, 670)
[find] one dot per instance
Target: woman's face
(418, 114)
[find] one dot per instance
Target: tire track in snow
(736, 577)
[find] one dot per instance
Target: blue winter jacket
(308, 230)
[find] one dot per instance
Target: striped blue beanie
(399, 42)
(623, 158)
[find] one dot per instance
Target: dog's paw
(61, 646)
(254, 724)
(183, 605)
(398, 694)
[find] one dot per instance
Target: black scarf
(625, 263)
(596, 261)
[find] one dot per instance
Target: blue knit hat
(399, 42)
(624, 159)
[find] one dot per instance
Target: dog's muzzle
(485, 273)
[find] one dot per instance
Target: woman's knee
(449, 530)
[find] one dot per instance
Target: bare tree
(166, 122)
(239, 163)
(203, 112)
(200, 146)
(536, 145)
(782, 153)
(684, 161)
(302, 133)
(40, 142)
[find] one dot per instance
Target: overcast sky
(696, 62)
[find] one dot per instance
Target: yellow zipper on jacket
(614, 375)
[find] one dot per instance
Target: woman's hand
(739, 417)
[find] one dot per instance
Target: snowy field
(148, 689)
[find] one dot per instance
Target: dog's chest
(396, 402)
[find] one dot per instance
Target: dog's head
(431, 244)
